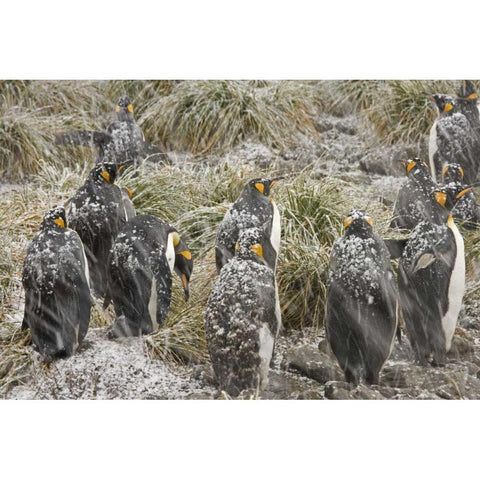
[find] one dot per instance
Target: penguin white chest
(432, 149)
(456, 287)
(276, 229)
(170, 253)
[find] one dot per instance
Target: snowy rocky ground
(106, 369)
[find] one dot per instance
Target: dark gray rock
(387, 160)
(312, 363)
(346, 391)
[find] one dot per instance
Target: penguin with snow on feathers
(253, 208)
(465, 210)
(467, 103)
(123, 141)
(144, 256)
(414, 199)
(452, 140)
(361, 319)
(242, 318)
(97, 212)
(57, 294)
(431, 280)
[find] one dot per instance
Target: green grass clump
(312, 214)
(212, 116)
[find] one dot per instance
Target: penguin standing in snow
(452, 140)
(144, 256)
(242, 318)
(465, 210)
(97, 212)
(361, 317)
(253, 208)
(123, 141)
(57, 295)
(414, 200)
(431, 280)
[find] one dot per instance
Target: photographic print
(239, 239)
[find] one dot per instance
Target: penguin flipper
(85, 138)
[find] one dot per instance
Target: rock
(387, 160)
(452, 381)
(285, 385)
(310, 395)
(461, 347)
(309, 361)
(346, 126)
(322, 124)
(346, 391)
(337, 391)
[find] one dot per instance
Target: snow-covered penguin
(57, 295)
(144, 256)
(361, 317)
(466, 209)
(253, 208)
(122, 142)
(431, 280)
(97, 212)
(414, 199)
(452, 140)
(242, 317)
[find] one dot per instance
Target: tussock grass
(208, 116)
(15, 356)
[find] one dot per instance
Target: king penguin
(431, 280)
(361, 319)
(144, 256)
(253, 208)
(452, 140)
(242, 318)
(414, 199)
(465, 210)
(97, 212)
(56, 282)
(122, 142)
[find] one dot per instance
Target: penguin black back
(144, 256)
(242, 317)
(431, 280)
(452, 139)
(253, 208)
(361, 301)
(414, 202)
(57, 294)
(97, 212)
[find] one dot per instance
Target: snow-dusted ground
(105, 369)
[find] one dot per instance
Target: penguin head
(414, 166)
(444, 103)
(124, 109)
(453, 172)
(448, 195)
(55, 218)
(359, 224)
(261, 186)
(107, 172)
(183, 262)
(250, 245)
(468, 91)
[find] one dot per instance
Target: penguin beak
(273, 181)
(464, 192)
(185, 287)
